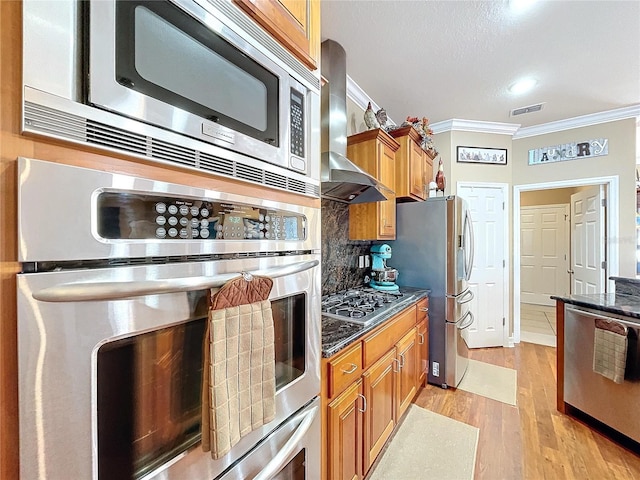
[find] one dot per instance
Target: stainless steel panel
(301, 432)
(51, 43)
(51, 213)
(430, 252)
(611, 403)
(57, 338)
(63, 119)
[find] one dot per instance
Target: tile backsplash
(339, 254)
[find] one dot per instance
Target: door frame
(612, 227)
(506, 340)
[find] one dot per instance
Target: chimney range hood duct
(341, 180)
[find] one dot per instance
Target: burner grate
(358, 303)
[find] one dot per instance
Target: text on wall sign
(569, 151)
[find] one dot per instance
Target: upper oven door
(112, 358)
(176, 65)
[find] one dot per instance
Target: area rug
(491, 381)
(429, 446)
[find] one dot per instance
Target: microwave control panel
(125, 215)
(297, 123)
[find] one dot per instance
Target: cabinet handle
(424, 309)
(364, 403)
(401, 360)
(421, 336)
(395, 360)
(353, 368)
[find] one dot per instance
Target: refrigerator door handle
(466, 297)
(467, 324)
(468, 226)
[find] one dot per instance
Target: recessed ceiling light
(520, 6)
(522, 86)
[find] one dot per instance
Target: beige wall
(476, 172)
(620, 161)
(552, 196)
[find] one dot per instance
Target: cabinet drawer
(384, 339)
(344, 370)
(423, 309)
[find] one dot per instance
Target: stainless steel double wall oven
(112, 305)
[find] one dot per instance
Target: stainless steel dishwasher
(614, 404)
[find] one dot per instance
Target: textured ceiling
(455, 59)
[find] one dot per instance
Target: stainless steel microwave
(192, 82)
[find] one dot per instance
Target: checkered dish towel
(610, 349)
(239, 390)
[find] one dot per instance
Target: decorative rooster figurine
(441, 181)
(370, 119)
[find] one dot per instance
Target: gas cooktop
(358, 305)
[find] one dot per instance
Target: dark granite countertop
(622, 304)
(338, 334)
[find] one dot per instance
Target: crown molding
(360, 97)
(581, 121)
(475, 126)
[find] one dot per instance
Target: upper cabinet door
(294, 23)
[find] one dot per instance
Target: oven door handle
(95, 291)
(282, 457)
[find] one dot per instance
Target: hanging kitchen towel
(610, 349)
(238, 393)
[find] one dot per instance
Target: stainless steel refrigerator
(434, 249)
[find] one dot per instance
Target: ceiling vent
(529, 109)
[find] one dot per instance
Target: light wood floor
(532, 440)
(538, 324)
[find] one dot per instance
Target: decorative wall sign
(569, 151)
(495, 156)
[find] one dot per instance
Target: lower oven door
(292, 452)
(110, 365)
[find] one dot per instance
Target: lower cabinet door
(345, 434)
(408, 376)
(379, 415)
(423, 352)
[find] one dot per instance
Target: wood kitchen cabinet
(411, 178)
(414, 166)
(423, 343)
(293, 23)
(368, 387)
(344, 419)
(428, 157)
(407, 384)
(379, 416)
(374, 152)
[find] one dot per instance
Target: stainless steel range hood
(342, 180)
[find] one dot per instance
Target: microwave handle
(280, 459)
(92, 291)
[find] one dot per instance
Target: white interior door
(588, 241)
(544, 253)
(487, 282)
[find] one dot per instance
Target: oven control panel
(125, 215)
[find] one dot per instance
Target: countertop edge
(631, 308)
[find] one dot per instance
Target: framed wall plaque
(493, 156)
